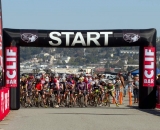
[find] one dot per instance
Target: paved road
(101, 118)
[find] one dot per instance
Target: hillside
(83, 56)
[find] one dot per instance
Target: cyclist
(69, 89)
(56, 86)
(38, 87)
(110, 90)
(96, 87)
(45, 91)
(103, 91)
(81, 86)
(61, 90)
(29, 90)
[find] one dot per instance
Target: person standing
(117, 85)
(136, 89)
(122, 83)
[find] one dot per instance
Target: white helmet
(110, 82)
(38, 77)
(56, 75)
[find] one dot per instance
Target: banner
(149, 66)
(11, 66)
(4, 103)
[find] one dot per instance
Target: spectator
(136, 89)
(122, 82)
(129, 76)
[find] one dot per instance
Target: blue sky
(81, 14)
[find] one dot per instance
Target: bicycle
(81, 99)
(108, 102)
(38, 100)
(68, 99)
(52, 100)
(96, 97)
(23, 99)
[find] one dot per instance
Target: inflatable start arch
(144, 38)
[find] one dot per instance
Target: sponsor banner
(11, 66)
(149, 67)
(65, 38)
(79, 38)
(29, 36)
(4, 103)
(131, 37)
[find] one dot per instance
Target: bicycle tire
(82, 100)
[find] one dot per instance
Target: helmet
(110, 82)
(81, 79)
(56, 75)
(63, 79)
(103, 81)
(96, 82)
(38, 77)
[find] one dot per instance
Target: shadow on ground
(155, 112)
(88, 114)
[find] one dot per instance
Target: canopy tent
(137, 72)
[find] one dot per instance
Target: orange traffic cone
(130, 96)
(121, 95)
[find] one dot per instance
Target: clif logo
(29, 37)
(131, 37)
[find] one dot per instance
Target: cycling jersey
(105, 88)
(110, 87)
(69, 85)
(89, 87)
(61, 87)
(96, 87)
(42, 81)
(81, 86)
(23, 83)
(29, 86)
(38, 86)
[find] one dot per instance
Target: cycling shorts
(111, 93)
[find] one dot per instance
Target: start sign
(11, 67)
(149, 66)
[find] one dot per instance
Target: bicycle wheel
(82, 100)
(67, 101)
(52, 100)
(23, 102)
(96, 100)
(39, 101)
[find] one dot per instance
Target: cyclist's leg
(113, 95)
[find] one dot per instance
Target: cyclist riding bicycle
(96, 87)
(82, 86)
(110, 91)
